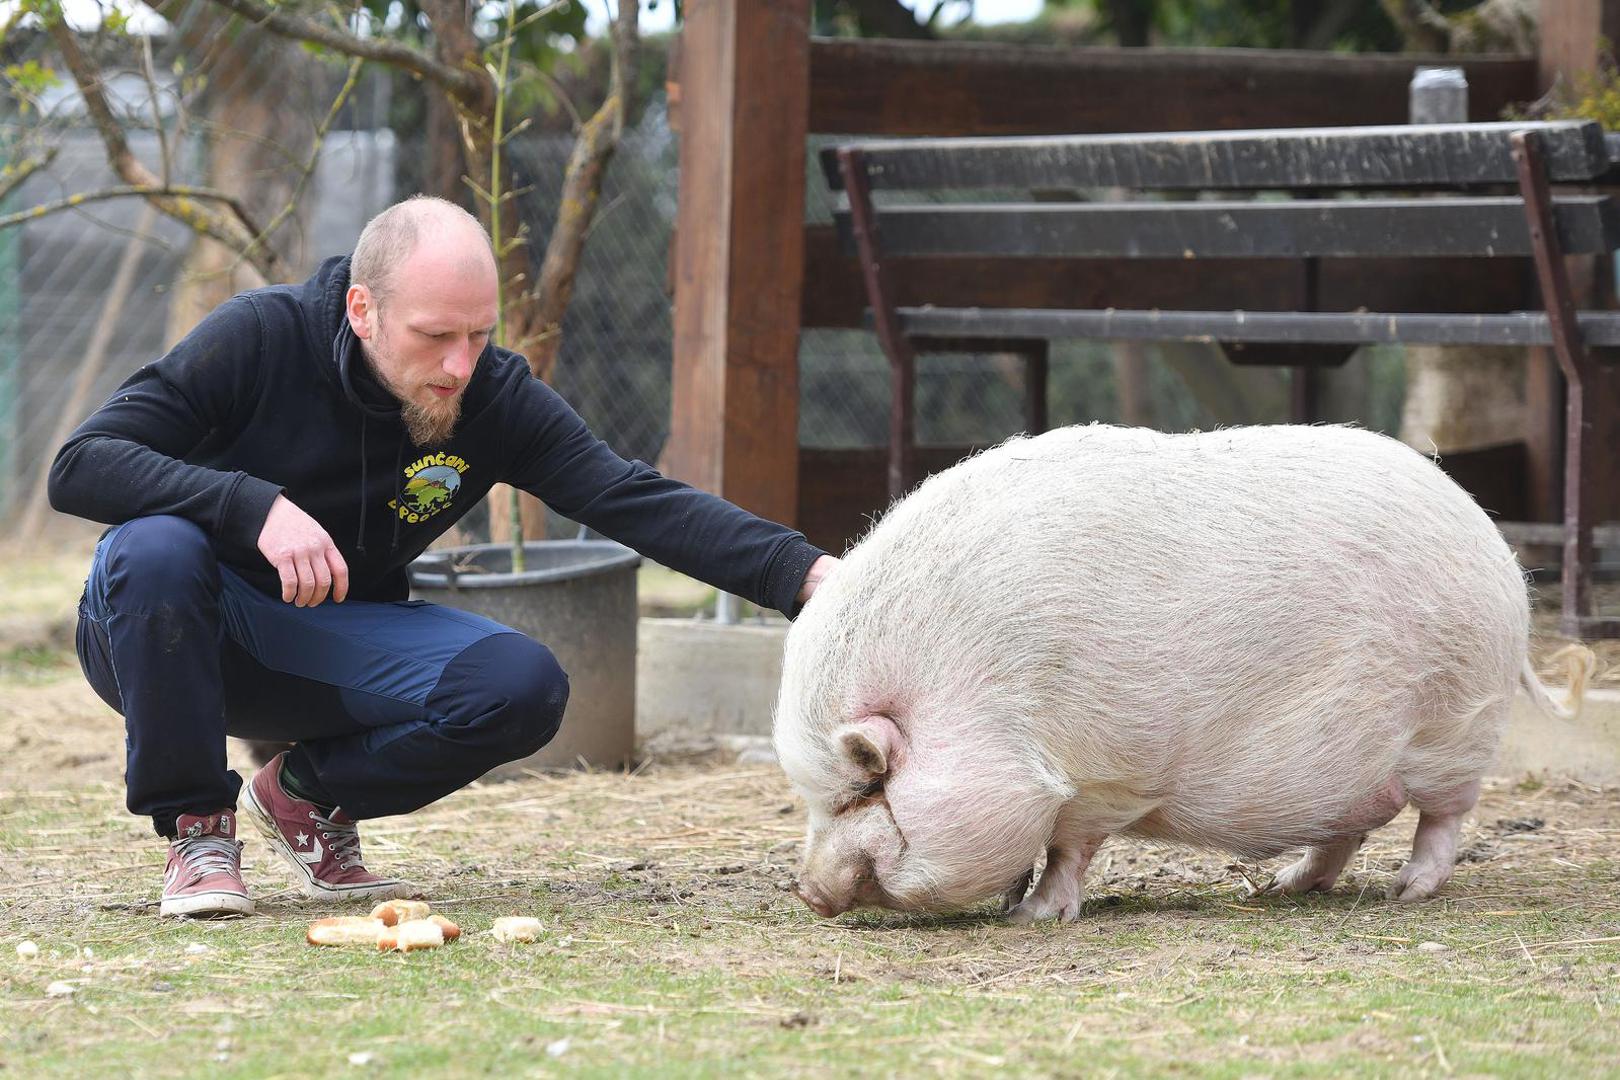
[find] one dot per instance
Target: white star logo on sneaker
(311, 857)
(302, 839)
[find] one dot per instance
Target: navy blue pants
(394, 705)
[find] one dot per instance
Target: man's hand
(304, 555)
(817, 574)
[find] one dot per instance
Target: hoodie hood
(324, 302)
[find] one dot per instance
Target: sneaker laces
(204, 855)
(342, 839)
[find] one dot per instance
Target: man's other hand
(304, 555)
(819, 570)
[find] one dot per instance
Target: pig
(1253, 639)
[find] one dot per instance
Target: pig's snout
(832, 885)
(816, 902)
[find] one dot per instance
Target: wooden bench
(1408, 192)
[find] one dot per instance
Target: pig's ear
(870, 744)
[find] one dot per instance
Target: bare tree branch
(180, 203)
(157, 193)
(460, 82)
(576, 205)
(1423, 29)
(291, 206)
(13, 175)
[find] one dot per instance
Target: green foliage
(547, 35)
(1254, 24)
(27, 80)
(1591, 95)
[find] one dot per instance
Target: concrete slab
(701, 678)
(1586, 749)
(705, 677)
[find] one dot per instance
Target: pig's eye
(873, 789)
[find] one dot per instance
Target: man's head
(422, 301)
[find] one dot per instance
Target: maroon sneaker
(323, 849)
(204, 875)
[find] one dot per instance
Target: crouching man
(270, 479)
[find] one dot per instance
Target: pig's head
(916, 826)
(908, 728)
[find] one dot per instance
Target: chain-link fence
(90, 294)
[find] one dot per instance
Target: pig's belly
(1260, 830)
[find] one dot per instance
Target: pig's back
(1246, 626)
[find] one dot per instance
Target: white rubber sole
(209, 903)
(265, 825)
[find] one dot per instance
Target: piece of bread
(394, 912)
(410, 936)
(516, 928)
(345, 930)
(449, 929)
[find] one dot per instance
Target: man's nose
(459, 363)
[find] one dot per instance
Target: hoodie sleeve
(559, 461)
(125, 461)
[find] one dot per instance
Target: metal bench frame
(1528, 156)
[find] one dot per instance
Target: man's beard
(425, 425)
(430, 426)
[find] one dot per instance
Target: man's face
(424, 339)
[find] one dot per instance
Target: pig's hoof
(1037, 909)
(1302, 877)
(1417, 881)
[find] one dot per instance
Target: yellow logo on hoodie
(431, 483)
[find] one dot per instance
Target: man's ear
(871, 744)
(360, 310)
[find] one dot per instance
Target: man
(259, 481)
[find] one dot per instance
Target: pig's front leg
(1062, 885)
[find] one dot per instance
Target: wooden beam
(964, 88)
(836, 299)
(1379, 157)
(738, 264)
(1298, 228)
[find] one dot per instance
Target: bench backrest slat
(1517, 328)
(1414, 155)
(1484, 227)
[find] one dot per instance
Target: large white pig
(1254, 639)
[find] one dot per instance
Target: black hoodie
(270, 394)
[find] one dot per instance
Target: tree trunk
(262, 108)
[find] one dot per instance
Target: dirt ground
(675, 946)
(693, 830)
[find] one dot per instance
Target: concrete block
(695, 676)
(702, 678)
(1586, 749)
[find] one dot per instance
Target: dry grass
(674, 948)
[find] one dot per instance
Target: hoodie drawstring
(399, 491)
(360, 535)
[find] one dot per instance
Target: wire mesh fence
(90, 294)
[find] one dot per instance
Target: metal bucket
(576, 597)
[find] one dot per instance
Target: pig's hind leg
(1434, 846)
(1062, 886)
(1322, 863)
(1318, 868)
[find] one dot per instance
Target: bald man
(259, 481)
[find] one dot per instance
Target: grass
(673, 946)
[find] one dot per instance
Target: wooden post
(739, 256)
(1572, 34)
